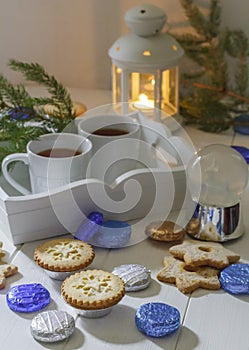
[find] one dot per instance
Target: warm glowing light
(144, 102)
(150, 86)
(147, 53)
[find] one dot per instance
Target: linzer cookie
(62, 256)
(166, 231)
(93, 290)
(175, 271)
(210, 254)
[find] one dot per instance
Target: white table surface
(210, 320)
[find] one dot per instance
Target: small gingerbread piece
(166, 231)
(2, 280)
(187, 281)
(6, 270)
(2, 254)
(197, 254)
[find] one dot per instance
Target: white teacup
(53, 160)
(115, 141)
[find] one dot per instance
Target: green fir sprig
(203, 99)
(24, 118)
(61, 99)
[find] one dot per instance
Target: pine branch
(214, 18)
(15, 96)
(195, 17)
(241, 77)
(237, 43)
(60, 96)
(189, 39)
(209, 49)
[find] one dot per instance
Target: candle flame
(143, 98)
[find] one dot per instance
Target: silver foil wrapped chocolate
(135, 276)
(52, 326)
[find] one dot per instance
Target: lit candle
(144, 102)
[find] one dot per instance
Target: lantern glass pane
(169, 100)
(141, 84)
(141, 90)
(116, 84)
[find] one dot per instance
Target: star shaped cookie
(175, 271)
(199, 253)
(6, 270)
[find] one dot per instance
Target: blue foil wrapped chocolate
(234, 279)
(244, 151)
(157, 319)
(241, 124)
(22, 113)
(28, 297)
(112, 234)
(89, 227)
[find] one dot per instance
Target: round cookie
(166, 231)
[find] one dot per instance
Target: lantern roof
(145, 19)
(146, 47)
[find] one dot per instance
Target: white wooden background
(71, 38)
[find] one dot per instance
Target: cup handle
(22, 157)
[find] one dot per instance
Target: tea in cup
(115, 141)
(53, 160)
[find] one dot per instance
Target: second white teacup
(115, 141)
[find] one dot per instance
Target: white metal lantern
(145, 62)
